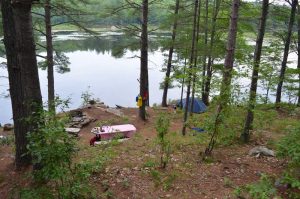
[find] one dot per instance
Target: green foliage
(109, 194)
(9, 140)
(165, 180)
(289, 147)
(162, 128)
(36, 193)
(126, 183)
(61, 63)
(156, 177)
(53, 152)
(263, 189)
(150, 164)
(263, 118)
(230, 127)
(87, 97)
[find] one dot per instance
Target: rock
(117, 112)
(136, 168)
(76, 113)
(73, 131)
(2, 137)
(119, 180)
(261, 150)
(8, 127)
(80, 120)
(76, 119)
(86, 121)
(113, 28)
(278, 183)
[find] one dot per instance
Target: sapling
(162, 128)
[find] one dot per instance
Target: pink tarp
(108, 132)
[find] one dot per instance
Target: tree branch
(39, 14)
(41, 56)
(39, 31)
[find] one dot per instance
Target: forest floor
(133, 168)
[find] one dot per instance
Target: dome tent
(199, 106)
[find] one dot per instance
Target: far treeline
(212, 46)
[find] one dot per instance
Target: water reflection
(116, 44)
(108, 65)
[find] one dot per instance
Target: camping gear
(109, 132)
(95, 139)
(199, 106)
(140, 101)
(199, 130)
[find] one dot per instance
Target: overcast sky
(283, 2)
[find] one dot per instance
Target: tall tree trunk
(196, 58)
(144, 88)
(171, 50)
(227, 74)
(267, 94)
(182, 85)
(286, 51)
(298, 49)
(205, 55)
(209, 68)
(50, 62)
(23, 73)
(190, 69)
(257, 55)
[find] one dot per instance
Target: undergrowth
(289, 148)
(263, 189)
(59, 173)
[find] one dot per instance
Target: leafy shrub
(289, 147)
(53, 151)
(263, 189)
(9, 140)
(230, 127)
(87, 97)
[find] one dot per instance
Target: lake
(109, 68)
(109, 73)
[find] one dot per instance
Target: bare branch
(41, 56)
(39, 14)
(40, 45)
(133, 4)
(40, 31)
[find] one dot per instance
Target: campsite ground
(133, 168)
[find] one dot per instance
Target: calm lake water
(108, 67)
(109, 73)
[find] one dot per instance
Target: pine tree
(256, 63)
(23, 73)
(286, 51)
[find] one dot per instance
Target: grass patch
(165, 180)
(150, 164)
